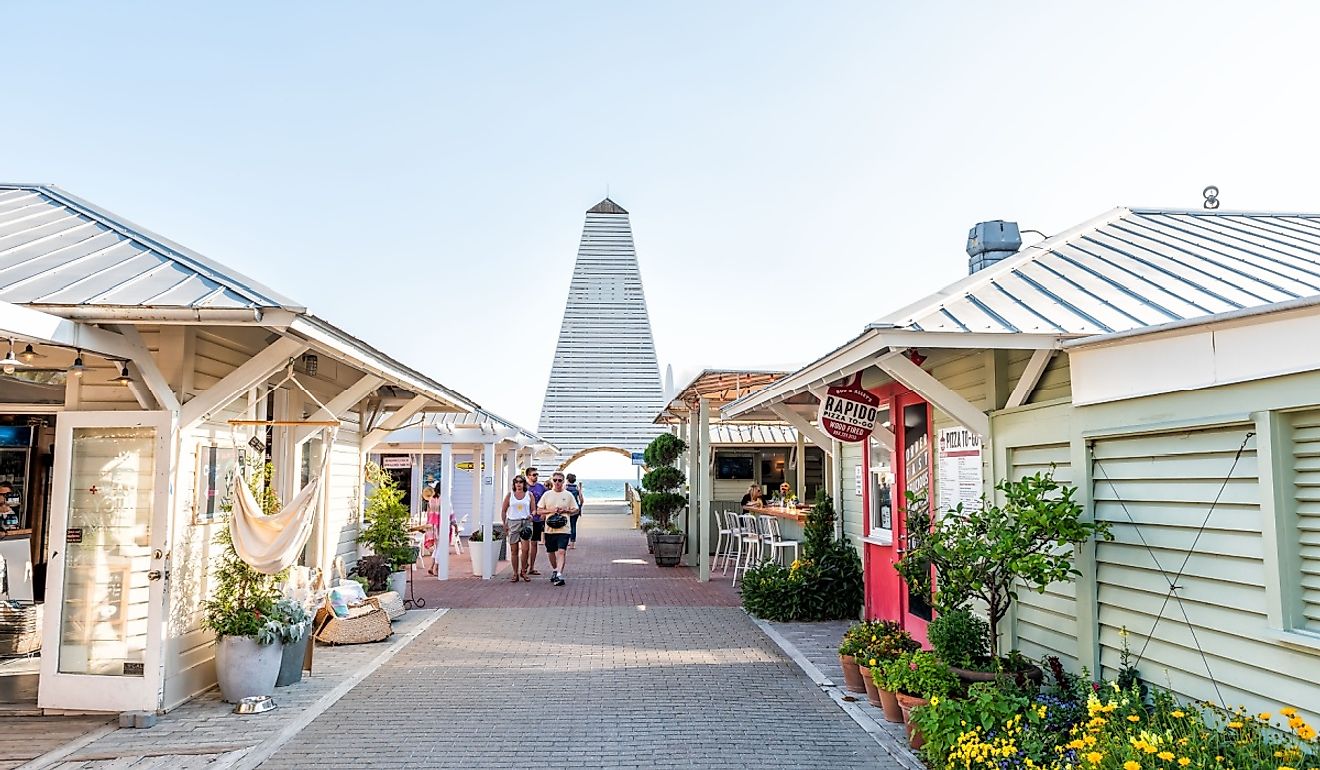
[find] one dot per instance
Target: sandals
(514, 579)
(531, 572)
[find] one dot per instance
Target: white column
(446, 508)
(800, 488)
(703, 472)
(694, 487)
(415, 502)
(474, 514)
(486, 476)
(835, 464)
(511, 465)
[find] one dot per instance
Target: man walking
(538, 521)
(573, 489)
(555, 506)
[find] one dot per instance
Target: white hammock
(270, 543)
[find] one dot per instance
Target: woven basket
(20, 628)
(392, 603)
(366, 622)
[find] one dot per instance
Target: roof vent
(989, 242)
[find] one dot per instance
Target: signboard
(257, 445)
(396, 461)
(857, 477)
(848, 412)
(638, 458)
(960, 468)
(73, 535)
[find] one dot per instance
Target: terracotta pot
(852, 678)
(872, 693)
(907, 703)
(893, 712)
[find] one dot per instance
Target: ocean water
(604, 489)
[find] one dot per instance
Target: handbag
(525, 532)
(557, 521)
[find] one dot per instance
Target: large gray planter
(399, 583)
(291, 661)
(245, 668)
(669, 550)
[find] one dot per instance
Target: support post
(801, 485)
(702, 471)
(446, 511)
(485, 470)
(694, 485)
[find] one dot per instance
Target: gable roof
(1128, 269)
(57, 249)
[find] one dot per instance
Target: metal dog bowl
(256, 704)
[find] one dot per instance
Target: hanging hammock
(271, 543)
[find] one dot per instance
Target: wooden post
(485, 470)
(446, 510)
(801, 486)
(702, 472)
(694, 486)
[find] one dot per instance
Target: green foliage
(479, 536)
(960, 638)
(818, 532)
(387, 519)
(375, 570)
(664, 449)
(987, 553)
(920, 674)
(987, 705)
(827, 585)
(292, 619)
(243, 602)
(663, 483)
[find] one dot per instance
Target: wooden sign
(848, 412)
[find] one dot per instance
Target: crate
(20, 628)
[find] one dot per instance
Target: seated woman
(753, 496)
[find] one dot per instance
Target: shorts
(538, 529)
(556, 541)
(514, 534)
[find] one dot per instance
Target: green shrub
(243, 601)
(920, 674)
(386, 521)
(987, 705)
(663, 483)
(959, 638)
(826, 584)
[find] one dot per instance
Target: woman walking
(516, 514)
(431, 540)
(573, 489)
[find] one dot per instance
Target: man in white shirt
(555, 505)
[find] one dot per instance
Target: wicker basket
(366, 622)
(392, 603)
(20, 628)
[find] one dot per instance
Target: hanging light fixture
(77, 369)
(9, 363)
(29, 355)
(123, 378)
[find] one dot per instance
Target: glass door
(102, 646)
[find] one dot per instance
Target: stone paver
(557, 687)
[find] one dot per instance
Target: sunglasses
(557, 481)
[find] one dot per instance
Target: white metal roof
(1128, 269)
(57, 249)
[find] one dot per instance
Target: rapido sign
(848, 412)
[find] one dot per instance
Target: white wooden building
(133, 354)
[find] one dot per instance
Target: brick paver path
(533, 676)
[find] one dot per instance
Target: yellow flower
(1165, 755)
(1296, 722)
(1184, 761)
(1288, 711)
(873, 638)
(1235, 725)
(1306, 732)
(1179, 714)
(1133, 718)
(1094, 757)
(1264, 716)
(872, 664)
(1285, 767)
(935, 700)
(1131, 765)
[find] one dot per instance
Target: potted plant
(916, 678)
(294, 626)
(663, 498)
(855, 640)
(374, 572)
(891, 641)
(961, 639)
(241, 611)
(648, 526)
(989, 552)
(479, 554)
(386, 522)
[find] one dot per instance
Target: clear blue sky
(417, 173)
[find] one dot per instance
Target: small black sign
(134, 669)
(257, 444)
(73, 535)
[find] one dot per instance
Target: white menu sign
(959, 468)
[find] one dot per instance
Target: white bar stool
(778, 545)
(724, 544)
(749, 545)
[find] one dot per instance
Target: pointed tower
(604, 388)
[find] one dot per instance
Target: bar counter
(797, 513)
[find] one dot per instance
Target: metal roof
(57, 249)
(1128, 269)
(720, 386)
(753, 434)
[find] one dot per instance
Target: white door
(101, 646)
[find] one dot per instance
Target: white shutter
(1306, 491)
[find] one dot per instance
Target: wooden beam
(898, 366)
(249, 374)
(338, 406)
(394, 422)
(817, 436)
(885, 437)
(1040, 360)
(145, 364)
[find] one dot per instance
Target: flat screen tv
(734, 467)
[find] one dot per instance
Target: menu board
(959, 469)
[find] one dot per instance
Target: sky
(418, 173)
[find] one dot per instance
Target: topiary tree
(663, 482)
(387, 519)
(243, 602)
(988, 553)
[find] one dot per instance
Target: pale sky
(418, 175)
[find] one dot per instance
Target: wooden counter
(796, 513)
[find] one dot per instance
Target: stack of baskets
(20, 628)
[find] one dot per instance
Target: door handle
(155, 574)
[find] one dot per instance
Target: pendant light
(123, 378)
(9, 363)
(77, 369)
(29, 355)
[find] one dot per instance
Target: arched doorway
(592, 450)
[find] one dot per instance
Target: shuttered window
(1306, 491)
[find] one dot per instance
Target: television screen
(734, 467)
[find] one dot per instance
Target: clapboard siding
(1157, 490)
(1304, 443)
(1055, 383)
(1046, 622)
(855, 519)
(344, 494)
